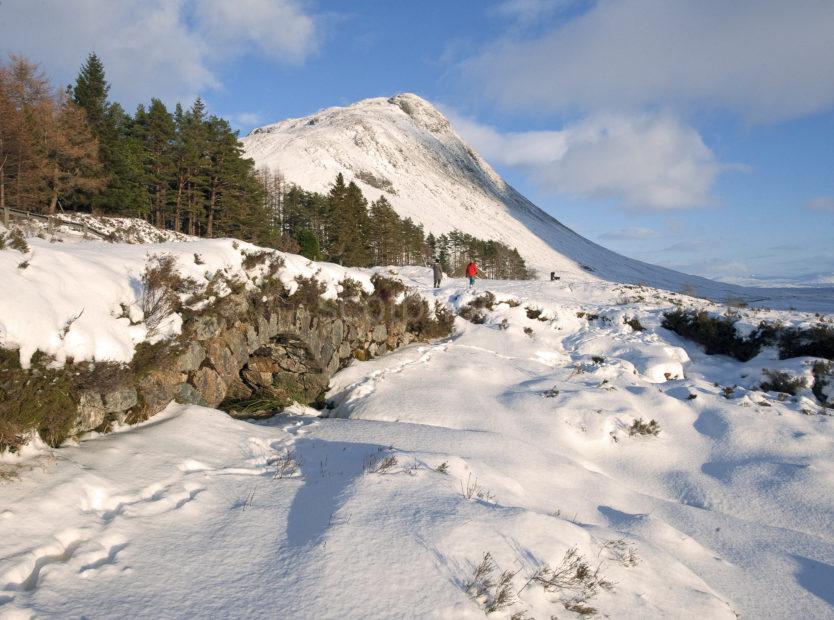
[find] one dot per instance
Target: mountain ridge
(406, 149)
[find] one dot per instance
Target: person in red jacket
(471, 270)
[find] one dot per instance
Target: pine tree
(355, 228)
(308, 244)
(155, 132)
(385, 235)
(90, 92)
(195, 151)
(120, 154)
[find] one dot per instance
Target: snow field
(496, 440)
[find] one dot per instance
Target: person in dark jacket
(438, 273)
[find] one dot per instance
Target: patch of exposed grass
(634, 323)
(16, 241)
(822, 378)
(489, 586)
(783, 382)
(639, 427)
(817, 341)
(41, 400)
(717, 334)
(475, 310)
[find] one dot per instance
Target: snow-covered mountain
(405, 149)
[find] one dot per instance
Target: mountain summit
(406, 149)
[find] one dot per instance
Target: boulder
(221, 359)
(91, 413)
(120, 399)
(236, 341)
(234, 306)
(256, 378)
(156, 389)
(187, 394)
(261, 364)
(209, 385)
(379, 333)
(252, 342)
(238, 390)
(263, 330)
(191, 358)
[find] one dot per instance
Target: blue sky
(697, 134)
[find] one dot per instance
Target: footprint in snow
(24, 576)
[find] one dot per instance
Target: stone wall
(253, 347)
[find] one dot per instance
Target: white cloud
(767, 60)
(649, 161)
(170, 49)
(278, 29)
(247, 119)
(821, 203)
(528, 11)
(633, 233)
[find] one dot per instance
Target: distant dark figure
(438, 273)
(471, 270)
(553, 276)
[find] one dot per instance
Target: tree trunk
(158, 221)
(53, 201)
(190, 210)
(210, 219)
(178, 207)
(3, 195)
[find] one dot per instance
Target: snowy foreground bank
(511, 438)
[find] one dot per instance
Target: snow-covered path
(193, 514)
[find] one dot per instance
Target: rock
(233, 306)
(221, 358)
(344, 350)
(120, 399)
(205, 327)
(236, 341)
(259, 379)
(302, 320)
(263, 330)
(191, 358)
(238, 390)
(337, 332)
(361, 355)
(91, 413)
(333, 364)
(187, 394)
(327, 351)
(210, 386)
(252, 342)
(292, 364)
(156, 390)
(380, 333)
(265, 365)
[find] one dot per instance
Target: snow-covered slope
(510, 438)
(404, 148)
(82, 300)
